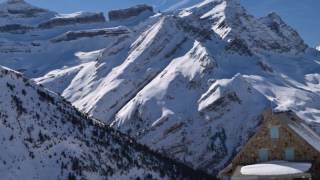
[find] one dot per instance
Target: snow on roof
(275, 168)
(305, 132)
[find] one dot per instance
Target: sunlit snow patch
(88, 56)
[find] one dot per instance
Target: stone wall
(287, 139)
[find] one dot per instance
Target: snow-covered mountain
(18, 12)
(191, 84)
(318, 48)
(19, 16)
(35, 41)
(44, 137)
(231, 22)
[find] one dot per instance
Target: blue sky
(303, 15)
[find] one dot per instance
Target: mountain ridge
(49, 135)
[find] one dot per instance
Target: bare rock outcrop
(81, 18)
(122, 14)
(73, 35)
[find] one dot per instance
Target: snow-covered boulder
(123, 14)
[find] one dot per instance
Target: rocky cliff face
(74, 35)
(229, 20)
(77, 18)
(285, 32)
(123, 14)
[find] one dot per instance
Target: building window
(274, 132)
(263, 155)
(289, 154)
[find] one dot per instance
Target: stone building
(283, 147)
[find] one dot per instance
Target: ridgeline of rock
(107, 32)
(77, 18)
(123, 14)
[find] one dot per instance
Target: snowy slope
(191, 84)
(44, 137)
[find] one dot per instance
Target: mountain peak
(229, 20)
(272, 17)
